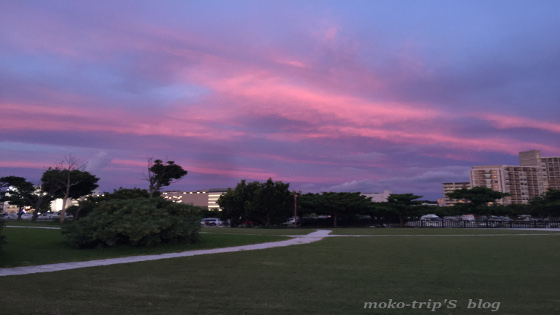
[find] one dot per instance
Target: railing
(328, 222)
(479, 224)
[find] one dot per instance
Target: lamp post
(295, 209)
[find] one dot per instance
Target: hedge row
(136, 222)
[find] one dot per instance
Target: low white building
(378, 197)
(206, 198)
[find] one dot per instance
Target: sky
(341, 96)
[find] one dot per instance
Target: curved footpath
(296, 240)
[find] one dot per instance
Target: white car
(27, 216)
(292, 221)
(45, 216)
(211, 222)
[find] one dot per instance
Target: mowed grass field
(30, 244)
(517, 269)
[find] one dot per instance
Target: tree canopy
(25, 194)
(162, 174)
(16, 191)
(402, 206)
(478, 196)
(265, 203)
(547, 205)
(336, 204)
(68, 180)
(85, 207)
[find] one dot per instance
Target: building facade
(206, 198)
(533, 177)
(449, 188)
(552, 168)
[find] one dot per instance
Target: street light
(295, 209)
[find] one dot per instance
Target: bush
(136, 222)
(2, 236)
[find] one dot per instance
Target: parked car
(45, 216)
(26, 216)
(11, 216)
(292, 221)
(211, 222)
(429, 217)
(431, 220)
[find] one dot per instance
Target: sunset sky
(325, 95)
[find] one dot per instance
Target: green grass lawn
(333, 276)
(36, 246)
(257, 231)
(435, 231)
(53, 223)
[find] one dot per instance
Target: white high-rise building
(531, 178)
(451, 187)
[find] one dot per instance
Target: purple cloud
(369, 96)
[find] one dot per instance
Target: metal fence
(479, 224)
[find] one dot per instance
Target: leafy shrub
(86, 206)
(136, 222)
(2, 236)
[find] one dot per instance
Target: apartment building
(451, 187)
(552, 167)
(207, 198)
(531, 178)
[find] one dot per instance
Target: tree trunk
(66, 195)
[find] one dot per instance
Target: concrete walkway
(296, 240)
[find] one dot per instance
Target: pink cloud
(213, 169)
(506, 122)
(23, 164)
(259, 84)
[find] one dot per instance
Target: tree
(25, 194)
(272, 203)
(477, 196)
(17, 191)
(265, 203)
(547, 205)
(160, 174)
(336, 204)
(67, 180)
(403, 205)
(40, 200)
(235, 203)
